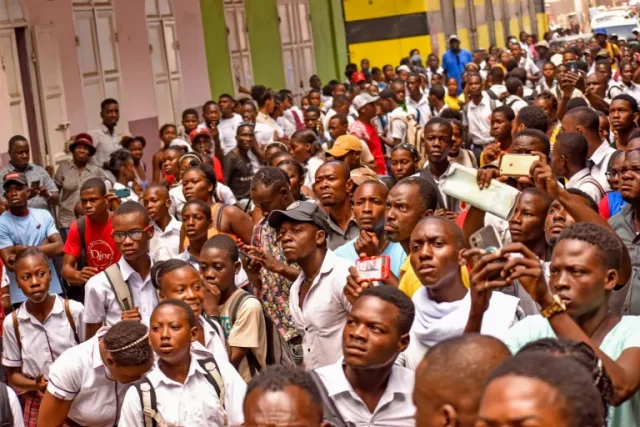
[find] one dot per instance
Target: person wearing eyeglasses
(132, 232)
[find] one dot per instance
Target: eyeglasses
(135, 235)
(612, 173)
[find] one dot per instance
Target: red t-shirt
(102, 251)
(368, 133)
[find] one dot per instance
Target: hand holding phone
(487, 238)
(376, 268)
(35, 184)
(517, 165)
(122, 193)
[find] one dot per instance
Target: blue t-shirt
(454, 64)
(394, 250)
(30, 230)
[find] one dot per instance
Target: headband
(128, 346)
(190, 155)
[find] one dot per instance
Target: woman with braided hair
(88, 382)
(405, 161)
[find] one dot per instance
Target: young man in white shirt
(418, 100)
(229, 122)
(478, 114)
(398, 126)
(514, 99)
(132, 232)
(316, 299)
(165, 243)
(526, 63)
(291, 112)
(569, 161)
(366, 386)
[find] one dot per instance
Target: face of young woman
(183, 284)
(194, 222)
(33, 277)
(170, 164)
(169, 134)
(196, 186)
(170, 334)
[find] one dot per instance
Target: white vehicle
(620, 22)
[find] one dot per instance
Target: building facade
(61, 58)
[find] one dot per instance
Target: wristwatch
(556, 307)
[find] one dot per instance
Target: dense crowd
(441, 243)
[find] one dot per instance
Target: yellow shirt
(409, 282)
(453, 102)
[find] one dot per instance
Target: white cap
(363, 99)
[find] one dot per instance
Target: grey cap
(364, 99)
(300, 212)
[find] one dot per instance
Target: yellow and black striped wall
(385, 31)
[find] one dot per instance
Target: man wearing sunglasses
(132, 232)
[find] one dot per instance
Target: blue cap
(599, 31)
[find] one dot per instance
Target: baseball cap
(600, 31)
(344, 144)
(14, 177)
(364, 99)
(306, 212)
(404, 68)
(603, 53)
(358, 77)
(454, 37)
(199, 131)
(361, 175)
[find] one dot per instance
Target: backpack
(414, 130)
(493, 104)
(120, 288)
(147, 394)
(331, 412)
(6, 416)
(491, 94)
(67, 311)
(278, 351)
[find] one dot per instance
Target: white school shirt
(398, 128)
(515, 102)
(227, 129)
(214, 342)
(324, 312)
(395, 407)
(42, 343)
(80, 375)
(194, 403)
(224, 193)
(478, 119)
(599, 162)
(421, 107)
(16, 409)
(312, 166)
(165, 245)
(633, 90)
(288, 127)
(101, 305)
(583, 180)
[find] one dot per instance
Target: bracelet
(6, 296)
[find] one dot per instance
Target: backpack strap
(82, 228)
(219, 217)
(120, 288)
(213, 375)
(331, 412)
(149, 404)
(510, 103)
(491, 94)
(6, 416)
(16, 329)
(492, 104)
(597, 184)
(67, 310)
(254, 365)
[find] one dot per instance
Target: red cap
(358, 77)
(84, 139)
(199, 131)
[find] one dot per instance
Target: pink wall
(59, 13)
(193, 60)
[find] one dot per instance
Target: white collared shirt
(214, 342)
(165, 245)
(80, 375)
(194, 403)
(613, 90)
(105, 143)
(600, 159)
(515, 102)
(329, 116)
(498, 89)
(478, 118)
(42, 343)
(530, 67)
(101, 305)
(395, 407)
(633, 90)
(324, 311)
(583, 180)
(422, 107)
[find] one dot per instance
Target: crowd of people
(441, 243)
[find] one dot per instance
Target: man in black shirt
(237, 166)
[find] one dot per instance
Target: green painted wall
(264, 39)
(215, 42)
(327, 25)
